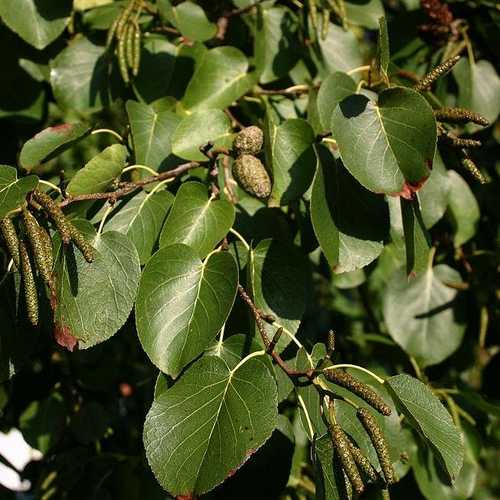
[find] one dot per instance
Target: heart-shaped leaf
(99, 172)
(191, 20)
(38, 22)
(197, 220)
(429, 417)
(182, 303)
(387, 146)
(207, 425)
(51, 142)
(349, 221)
(220, 78)
(198, 129)
(292, 161)
(152, 133)
(13, 191)
(141, 218)
(94, 300)
(277, 272)
(420, 315)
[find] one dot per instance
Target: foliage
(249, 247)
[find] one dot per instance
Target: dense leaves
(231, 230)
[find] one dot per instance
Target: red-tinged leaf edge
(410, 188)
(63, 336)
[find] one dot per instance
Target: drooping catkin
(129, 44)
(47, 247)
(379, 443)
(122, 57)
(82, 244)
(346, 380)
(136, 62)
(459, 142)
(474, 170)
(11, 240)
(342, 448)
(111, 32)
(30, 291)
(433, 75)
(56, 214)
(460, 115)
(36, 244)
(362, 462)
(249, 172)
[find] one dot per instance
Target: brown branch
(128, 187)
(268, 343)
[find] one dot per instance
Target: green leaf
(277, 274)
(97, 175)
(182, 304)
(275, 47)
(335, 88)
(158, 59)
(197, 130)
(220, 78)
(420, 314)
(383, 54)
(38, 22)
(151, 134)
(463, 209)
(13, 191)
(200, 431)
(191, 20)
(387, 146)
(350, 222)
(478, 89)
(94, 300)
(292, 161)
(417, 239)
(429, 417)
(51, 142)
(339, 51)
(433, 196)
(43, 422)
(80, 77)
(197, 220)
(141, 218)
(364, 12)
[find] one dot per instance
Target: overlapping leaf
(182, 304)
(13, 191)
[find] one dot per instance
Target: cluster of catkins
(356, 466)
(35, 258)
(248, 171)
(125, 31)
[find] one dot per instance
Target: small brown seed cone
(248, 141)
(251, 175)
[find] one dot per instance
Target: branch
(267, 343)
(128, 187)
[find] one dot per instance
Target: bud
(342, 448)
(252, 176)
(438, 71)
(30, 291)
(346, 380)
(11, 241)
(377, 438)
(248, 141)
(33, 232)
(460, 115)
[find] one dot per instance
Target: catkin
(346, 380)
(56, 214)
(47, 248)
(111, 32)
(460, 115)
(136, 62)
(82, 244)
(249, 172)
(122, 58)
(30, 291)
(37, 246)
(11, 241)
(248, 141)
(362, 462)
(438, 71)
(129, 44)
(377, 438)
(342, 448)
(472, 168)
